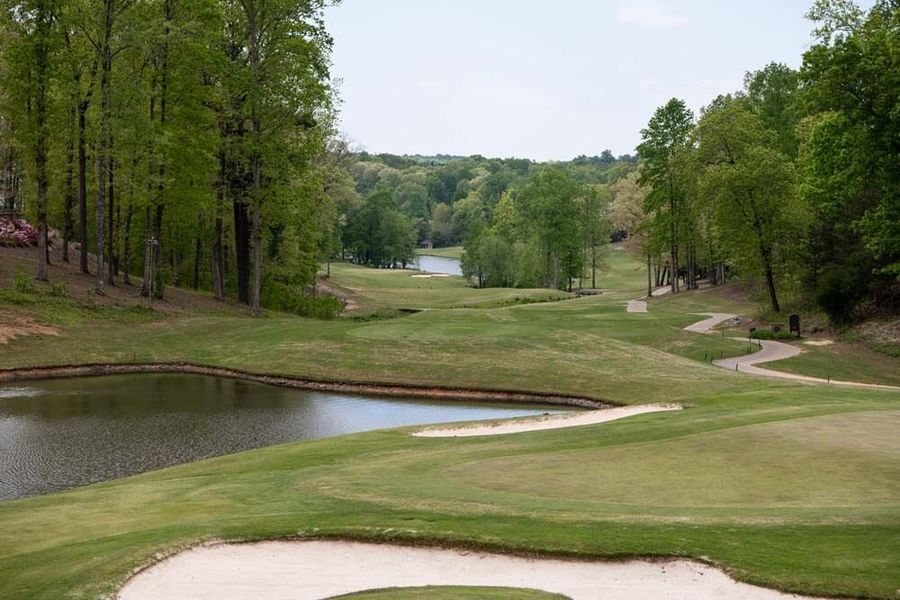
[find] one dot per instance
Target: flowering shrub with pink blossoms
(17, 232)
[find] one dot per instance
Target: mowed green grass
(376, 289)
(786, 485)
(454, 593)
(449, 252)
(843, 361)
(715, 481)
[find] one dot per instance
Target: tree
(627, 214)
(377, 234)
(749, 185)
(595, 227)
(30, 31)
(772, 93)
(281, 84)
(549, 208)
(442, 225)
(490, 261)
(851, 91)
(665, 137)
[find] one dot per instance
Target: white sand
(591, 417)
(315, 570)
(636, 306)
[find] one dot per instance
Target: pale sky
(543, 79)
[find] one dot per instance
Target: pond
(437, 264)
(64, 433)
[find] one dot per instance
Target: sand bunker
(591, 417)
(430, 275)
(315, 570)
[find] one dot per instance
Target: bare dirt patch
(23, 328)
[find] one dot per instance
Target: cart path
(322, 569)
(770, 351)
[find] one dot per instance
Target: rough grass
(449, 252)
(378, 289)
(844, 361)
(454, 593)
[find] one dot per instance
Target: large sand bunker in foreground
(322, 569)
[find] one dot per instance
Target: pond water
(437, 264)
(64, 433)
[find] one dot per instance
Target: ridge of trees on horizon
(522, 223)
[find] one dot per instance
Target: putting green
(836, 461)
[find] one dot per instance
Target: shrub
(22, 282)
(58, 289)
(17, 232)
(840, 290)
(768, 334)
(287, 298)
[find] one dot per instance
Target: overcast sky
(543, 79)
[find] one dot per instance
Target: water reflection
(65, 433)
(438, 264)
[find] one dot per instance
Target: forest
(181, 141)
(194, 143)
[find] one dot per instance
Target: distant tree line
(496, 208)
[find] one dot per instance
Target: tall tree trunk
(257, 248)
(102, 161)
(41, 76)
(159, 285)
(148, 222)
(111, 234)
(68, 221)
(256, 161)
(242, 250)
(82, 187)
(148, 254)
(198, 253)
(218, 258)
(126, 245)
(649, 276)
(770, 277)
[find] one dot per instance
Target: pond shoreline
(319, 385)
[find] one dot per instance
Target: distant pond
(59, 434)
(437, 264)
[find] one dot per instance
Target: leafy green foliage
(378, 234)
(293, 299)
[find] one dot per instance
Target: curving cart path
(770, 351)
(640, 304)
(323, 569)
